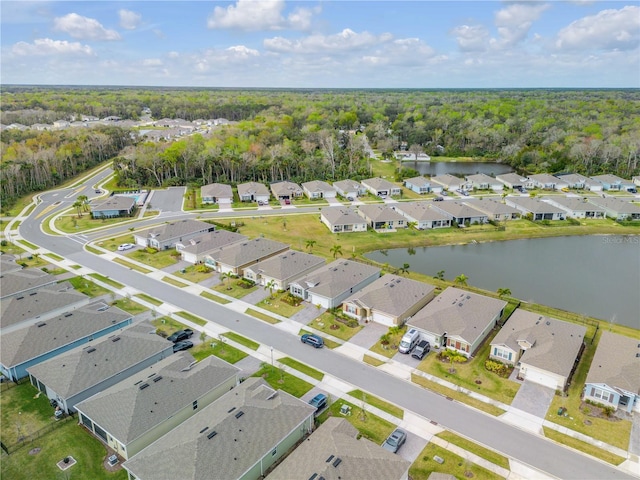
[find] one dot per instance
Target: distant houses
(219, 193)
(115, 206)
(342, 220)
(163, 237)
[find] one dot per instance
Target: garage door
(542, 378)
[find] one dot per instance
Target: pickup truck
(180, 335)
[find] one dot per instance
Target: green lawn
(174, 282)
(215, 298)
(378, 403)
(473, 447)
(130, 306)
(369, 425)
(234, 288)
(86, 286)
(242, 340)
(468, 374)
(106, 280)
(149, 299)
(113, 242)
(55, 257)
(93, 250)
(583, 446)
(219, 349)
(274, 303)
(262, 316)
(194, 318)
(301, 367)
(28, 244)
(22, 413)
(193, 275)
(166, 326)
(372, 360)
(328, 324)
(453, 465)
(281, 380)
(130, 265)
(70, 223)
(391, 348)
(327, 343)
(159, 260)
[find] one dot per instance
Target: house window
(195, 404)
(275, 450)
(599, 393)
(351, 309)
(501, 354)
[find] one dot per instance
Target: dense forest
(315, 134)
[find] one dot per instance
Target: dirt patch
(34, 451)
(597, 412)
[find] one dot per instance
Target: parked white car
(125, 246)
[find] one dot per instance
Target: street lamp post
(271, 357)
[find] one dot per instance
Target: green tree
(440, 275)
(461, 279)
(270, 286)
(85, 202)
(310, 244)
(78, 205)
(404, 268)
(503, 292)
(336, 250)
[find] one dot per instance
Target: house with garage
(460, 213)
(78, 374)
(286, 190)
(219, 193)
(337, 450)
(613, 183)
(381, 187)
(318, 189)
(279, 271)
(545, 181)
(237, 257)
(196, 249)
(167, 235)
(419, 185)
(389, 300)
(458, 320)
(239, 436)
(382, 217)
(451, 182)
(27, 345)
(613, 378)
(513, 181)
(482, 181)
(253, 192)
(349, 189)
(18, 283)
(576, 207)
(422, 215)
(330, 285)
(636, 180)
(573, 180)
(544, 350)
(617, 208)
(137, 411)
(538, 209)
(113, 207)
(493, 209)
(342, 220)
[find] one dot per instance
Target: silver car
(395, 440)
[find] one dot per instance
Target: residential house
(27, 346)
(78, 374)
(493, 209)
(451, 182)
(382, 217)
(279, 271)
(349, 188)
(545, 181)
(613, 182)
(576, 207)
(458, 320)
(318, 189)
(389, 300)
(286, 190)
(253, 192)
(219, 193)
(513, 180)
(18, 283)
(137, 411)
(167, 235)
(544, 350)
(460, 213)
(381, 187)
(592, 185)
(422, 215)
(336, 450)
(330, 285)
(538, 209)
(482, 181)
(616, 208)
(197, 248)
(236, 257)
(342, 220)
(636, 180)
(613, 378)
(114, 206)
(419, 185)
(239, 436)
(573, 180)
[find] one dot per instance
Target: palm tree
(504, 292)
(440, 275)
(85, 202)
(461, 279)
(336, 250)
(270, 286)
(224, 276)
(78, 205)
(404, 268)
(310, 244)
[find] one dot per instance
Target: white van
(409, 340)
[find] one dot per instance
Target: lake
(595, 275)
(458, 168)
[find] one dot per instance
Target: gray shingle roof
(448, 180)
(211, 241)
(114, 203)
(418, 181)
(239, 443)
(458, 210)
(252, 188)
(342, 216)
(573, 204)
(458, 312)
(29, 342)
(615, 363)
(490, 206)
(318, 186)
(609, 178)
(545, 178)
(286, 188)
(380, 213)
(392, 294)
(556, 344)
(287, 265)
(217, 190)
(420, 211)
(241, 253)
(79, 369)
(534, 205)
(511, 178)
(13, 283)
(175, 229)
(8, 263)
(126, 411)
(347, 185)
(360, 458)
(379, 183)
(481, 178)
(337, 277)
(615, 205)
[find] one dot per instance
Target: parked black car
(180, 335)
(183, 345)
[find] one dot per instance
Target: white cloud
(152, 62)
(346, 40)
(129, 20)
(256, 15)
(240, 51)
(47, 46)
(609, 29)
(514, 22)
(83, 28)
(471, 38)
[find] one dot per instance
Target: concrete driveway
(369, 335)
(307, 314)
(534, 399)
(412, 447)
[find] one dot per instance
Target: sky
(322, 44)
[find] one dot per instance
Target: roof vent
(143, 386)
(157, 379)
(548, 322)
(312, 477)
(468, 297)
(210, 435)
(337, 462)
(33, 293)
(460, 304)
(41, 324)
(239, 414)
(229, 411)
(637, 355)
(204, 429)
(91, 350)
(68, 314)
(329, 459)
(115, 339)
(19, 298)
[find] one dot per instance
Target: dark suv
(421, 350)
(180, 335)
(313, 340)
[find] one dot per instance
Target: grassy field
(473, 447)
(174, 282)
(583, 446)
(453, 465)
(54, 257)
(24, 411)
(130, 306)
(166, 326)
(281, 380)
(328, 324)
(215, 298)
(369, 425)
(378, 403)
(220, 349)
(93, 250)
(301, 367)
(86, 286)
(149, 299)
(193, 318)
(391, 348)
(70, 223)
(275, 304)
(372, 360)
(232, 287)
(242, 340)
(113, 242)
(193, 275)
(106, 280)
(131, 266)
(159, 260)
(262, 316)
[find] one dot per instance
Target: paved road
(519, 444)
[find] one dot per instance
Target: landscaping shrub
(245, 283)
(498, 368)
(202, 268)
(151, 250)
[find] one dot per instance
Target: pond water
(458, 168)
(596, 275)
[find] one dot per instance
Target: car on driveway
(313, 340)
(125, 246)
(319, 401)
(395, 440)
(180, 335)
(183, 345)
